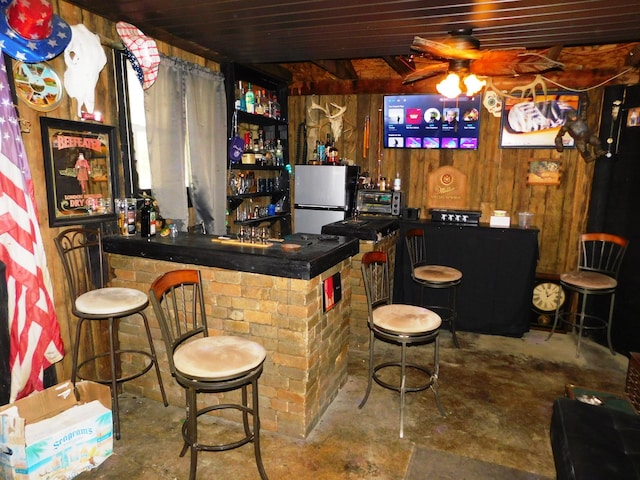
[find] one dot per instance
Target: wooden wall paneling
(497, 178)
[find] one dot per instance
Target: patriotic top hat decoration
(141, 51)
(30, 32)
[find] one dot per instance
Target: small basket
(632, 387)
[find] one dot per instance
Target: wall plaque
(447, 188)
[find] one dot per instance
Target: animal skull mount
(334, 117)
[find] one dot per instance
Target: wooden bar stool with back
(203, 363)
(398, 324)
(436, 277)
(92, 301)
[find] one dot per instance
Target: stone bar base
(306, 349)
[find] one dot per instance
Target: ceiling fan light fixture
(450, 86)
(473, 84)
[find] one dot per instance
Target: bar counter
(317, 252)
(272, 296)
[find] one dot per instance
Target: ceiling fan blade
(513, 62)
(426, 72)
(443, 50)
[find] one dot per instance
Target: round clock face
(38, 85)
(545, 296)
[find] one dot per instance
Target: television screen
(431, 121)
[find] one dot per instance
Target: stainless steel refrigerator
(323, 194)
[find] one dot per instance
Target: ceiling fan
(460, 53)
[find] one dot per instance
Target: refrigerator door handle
(319, 207)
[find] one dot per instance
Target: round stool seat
(590, 280)
(111, 301)
(219, 357)
(437, 273)
(407, 319)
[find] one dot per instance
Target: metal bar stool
(206, 364)
(440, 277)
(599, 259)
(83, 260)
(397, 324)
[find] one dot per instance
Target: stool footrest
(120, 379)
(413, 366)
(248, 438)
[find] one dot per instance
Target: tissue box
(496, 221)
(53, 435)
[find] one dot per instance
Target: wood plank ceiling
(332, 33)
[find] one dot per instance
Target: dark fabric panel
(5, 372)
(498, 272)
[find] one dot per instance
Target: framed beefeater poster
(80, 169)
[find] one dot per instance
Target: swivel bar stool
(439, 277)
(206, 364)
(397, 324)
(83, 260)
(599, 259)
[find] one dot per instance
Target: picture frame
(534, 122)
(80, 171)
(544, 172)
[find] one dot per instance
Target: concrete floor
(497, 393)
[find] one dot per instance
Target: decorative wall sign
(332, 291)
(38, 85)
(534, 122)
(447, 188)
(81, 173)
(544, 172)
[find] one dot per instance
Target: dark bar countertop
(317, 254)
(366, 227)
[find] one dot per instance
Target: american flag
(33, 325)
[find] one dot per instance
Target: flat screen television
(423, 121)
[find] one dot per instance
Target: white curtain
(186, 131)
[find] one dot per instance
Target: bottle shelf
(260, 120)
(253, 166)
(270, 219)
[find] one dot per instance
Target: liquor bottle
(241, 97)
(279, 154)
(147, 219)
(259, 107)
(275, 108)
(131, 218)
(268, 106)
(397, 183)
(327, 149)
(250, 99)
(320, 150)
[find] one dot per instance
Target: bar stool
(83, 260)
(599, 259)
(206, 364)
(397, 324)
(439, 277)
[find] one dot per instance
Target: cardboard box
(54, 435)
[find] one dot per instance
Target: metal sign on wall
(447, 188)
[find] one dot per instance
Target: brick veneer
(306, 349)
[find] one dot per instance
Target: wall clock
(547, 296)
(38, 85)
(544, 300)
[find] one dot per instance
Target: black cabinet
(258, 186)
(498, 267)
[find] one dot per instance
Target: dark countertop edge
(373, 227)
(513, 227)
(196, 249)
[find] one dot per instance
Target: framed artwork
(544, 172)
(81, 171)
(534, 122)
